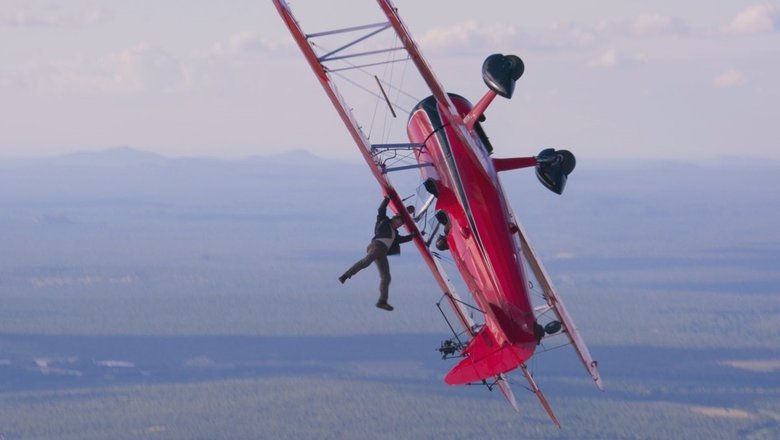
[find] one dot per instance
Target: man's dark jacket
(383, 229)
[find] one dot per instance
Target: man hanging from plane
(386, 242)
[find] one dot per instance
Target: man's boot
(384, 306)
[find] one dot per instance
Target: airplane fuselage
(480, 233)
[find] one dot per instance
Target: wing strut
(329, 56)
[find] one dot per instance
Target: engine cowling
(553, 168)
(500, 73)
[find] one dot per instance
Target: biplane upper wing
(556, 304)
(323, 74)
(364, 145)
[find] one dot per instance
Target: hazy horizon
(725, 160)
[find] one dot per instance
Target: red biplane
(459, 204)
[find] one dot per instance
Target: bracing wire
(361, 68)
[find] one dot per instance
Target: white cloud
(606, 59)
(657, 24)
(474, 36)
(467, 35)
(754, 19)
(562, 256)
(643, 25)
(566, 35)
(563, 35)
(232, 64)
(730, 78)
(53, 18)
(615, 58)
(247, 42)
(139, 69)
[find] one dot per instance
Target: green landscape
(148, 297)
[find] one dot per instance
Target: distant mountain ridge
(128, 155)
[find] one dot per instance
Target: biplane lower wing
(555, 303)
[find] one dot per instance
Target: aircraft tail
(486, 359)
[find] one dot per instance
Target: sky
(607, 79)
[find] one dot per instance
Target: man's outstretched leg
(372, 251)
